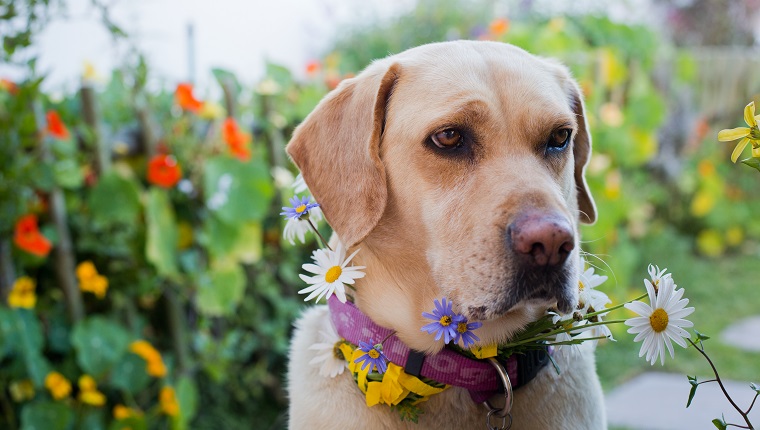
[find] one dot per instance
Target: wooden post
(64, 250)
(7, 273)
(90, 113)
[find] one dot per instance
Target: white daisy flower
(299, 185)
(657, 275)
(567, 350)
(588, 295)
(662, 321)
(329, 358)
(297, 228)
(332, 273)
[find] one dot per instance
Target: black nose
(541, 238)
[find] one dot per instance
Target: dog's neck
(399, 287)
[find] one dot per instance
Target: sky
(239, 35)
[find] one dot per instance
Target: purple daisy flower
(446, 321)
(464, 331)
(373, 356)
(299, 206)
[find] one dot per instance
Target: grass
(723, 291)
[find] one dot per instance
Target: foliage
(198, 268)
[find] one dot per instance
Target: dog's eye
(559, 139)
(447, 139)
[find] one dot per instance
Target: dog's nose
(541, 239)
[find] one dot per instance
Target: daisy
(746, 134)
(373, 356)
(657, 275)
(328, 355)
(299, 208)
(568, 349)
(297, 228)
(465, 332)
(661, 322)
(446, 321)
(299, 185)
(332, 273)
(588, 296)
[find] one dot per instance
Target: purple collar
(447, 367)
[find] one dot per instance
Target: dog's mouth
(551, 286)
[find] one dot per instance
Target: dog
(457, 169)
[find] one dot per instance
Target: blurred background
(144, 278)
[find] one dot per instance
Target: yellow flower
(168, 400)
(98, 285)
(155, 365)
(86, 270)
(22, 294)
(21, 390)
(212, 110)
(121, 412)
(746, 134)
(88, 391)
(58, 385)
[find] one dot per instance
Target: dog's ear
(582, 154)
(337, 149)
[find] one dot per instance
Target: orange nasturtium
(164, 171)
(167, 398)
(27, 236)
(185, 98)
(56, 127)
(237, 141)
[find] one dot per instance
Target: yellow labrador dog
(458, 170)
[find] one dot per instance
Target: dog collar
(448, 367)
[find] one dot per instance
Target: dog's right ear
(337, 149)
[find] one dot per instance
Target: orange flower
(9, 86)
(167, 398)
(55, 126)
(164, 171)
(312, 67)
(28, 237)
(185, 98)
(237, 141)
(498, 27)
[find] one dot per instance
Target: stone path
(657, 400)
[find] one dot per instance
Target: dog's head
(459, 168)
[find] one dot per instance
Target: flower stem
(563, 329)
(723, 388)
(607, 310)
(313, 227)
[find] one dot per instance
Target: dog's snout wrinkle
(541, 239)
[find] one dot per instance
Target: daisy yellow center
(462, 327)
(581, 287)
(445, 320)
(300, 209)
(373, 354)
(333, 274)
(659, 320)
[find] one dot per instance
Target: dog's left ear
(582, 154)
(337, 149)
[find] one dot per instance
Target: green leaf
(68, 174)
(100, 344)
(752, 162)
(240, 242)
(114, 199)
(187, 396)
(162, 234)
(92, 419)
(130, 374)
(755, 387)
(46, 416)
(693, 391)
(220, 290)
(720, 423)
(227, 80)
(237, 191)
(701, 336)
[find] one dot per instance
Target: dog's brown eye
(559, 138)
(447, 139)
